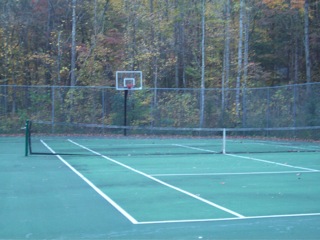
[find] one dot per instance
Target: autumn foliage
(161, 38)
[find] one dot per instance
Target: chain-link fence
(286, 106)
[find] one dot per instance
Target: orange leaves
(297, 3)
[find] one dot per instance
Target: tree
(57, 42)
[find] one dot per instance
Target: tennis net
(271, 140)
(59, 139)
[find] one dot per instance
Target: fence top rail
(54, 86)
(177, 128)
(152, 89)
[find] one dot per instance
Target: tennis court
(157, 188)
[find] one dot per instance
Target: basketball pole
(125, 112)
(128, 80)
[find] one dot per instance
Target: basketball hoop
(128, 80)
(129, 86)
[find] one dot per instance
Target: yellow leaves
(276, 3)
(116, 5)
(178, 110)
(43, 57)
(64, 72)
(283, 4)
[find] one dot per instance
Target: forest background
(194, 44)
(162, 38)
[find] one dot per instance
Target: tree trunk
(307, 46)
(245, 65)
(59, 60)
(202, 66)
(240, 59)
(73, 45)
(226, 61)
(177, 44)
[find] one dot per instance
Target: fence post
(26, 138)
(52, 109)
(224, 135)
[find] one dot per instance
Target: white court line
(311, 148)
(229, 174)
(199, 149)
(161, 182)
(114, 204)
(271, 162)
(250, 158)
(232, 219)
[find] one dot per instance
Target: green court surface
(125, 188)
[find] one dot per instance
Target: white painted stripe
(271, 162)
(231, 219)
(254, 159)
(161, 182)
(309, 148)
(114, 204)
(236, 173)
(194, 148)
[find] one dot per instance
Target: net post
(26, 150)
(224, 141)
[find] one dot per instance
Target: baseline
(232, 219)
(230, 174)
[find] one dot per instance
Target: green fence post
(27, 138)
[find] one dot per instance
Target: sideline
(113, 203)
